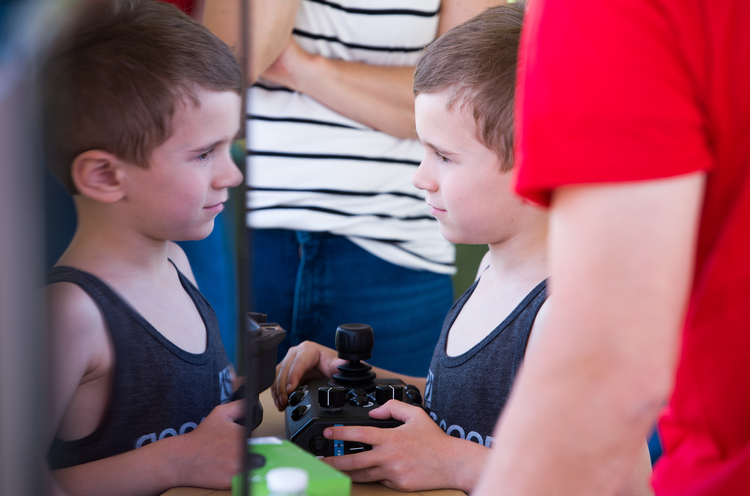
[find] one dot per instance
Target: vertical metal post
(23, 352)
(244, 255)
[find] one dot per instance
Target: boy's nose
(422, 178)
(229, 175)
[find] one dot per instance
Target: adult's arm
(380, 97)
(269, 24)
(621, 259)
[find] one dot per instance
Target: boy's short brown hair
(114, 78)
(475, 62)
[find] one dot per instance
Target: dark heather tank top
(465, 394)
(158, 389)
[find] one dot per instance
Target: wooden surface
(273, 425)
(373, 489)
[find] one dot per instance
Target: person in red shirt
(633, 121)
(193, 8)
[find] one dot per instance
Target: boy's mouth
(215, 208)
(435, 210)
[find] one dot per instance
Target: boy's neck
(523, 255)
(102, 242)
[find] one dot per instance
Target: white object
(287, 481)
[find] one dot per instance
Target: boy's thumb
(233, 410)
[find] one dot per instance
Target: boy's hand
(415, 456)
(305, 361)
(213, 451)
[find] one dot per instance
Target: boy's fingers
(395, 409)
(352, 463)
(282, 377)
(303, 367)
(368, 435)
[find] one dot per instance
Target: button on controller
(297, 396)
(385, 392)
(331, 397)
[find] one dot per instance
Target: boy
(141, 105)
(464, 103)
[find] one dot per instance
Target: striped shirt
(313, 169)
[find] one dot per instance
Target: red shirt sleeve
(607, 92)
(184, 5)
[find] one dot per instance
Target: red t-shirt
(184, 5)
(630, 90)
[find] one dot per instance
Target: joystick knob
(354, 341)
(331, 396)
(385, 392)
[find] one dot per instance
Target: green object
(324, 479)
(467, 263)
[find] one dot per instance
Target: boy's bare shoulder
(79, 352)
(71, 311)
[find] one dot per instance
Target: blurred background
(24, 27)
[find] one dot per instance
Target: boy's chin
(198, 234)
(459, 238)
(450, 235)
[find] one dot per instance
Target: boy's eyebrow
(208, 147)
(436, 148)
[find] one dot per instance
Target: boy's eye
(442, 159)
(205, 156)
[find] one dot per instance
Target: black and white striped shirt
(313, 169)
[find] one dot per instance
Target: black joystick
(354, 343)
(346, 399)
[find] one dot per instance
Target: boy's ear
(98, 175)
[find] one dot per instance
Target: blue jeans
(310, 283)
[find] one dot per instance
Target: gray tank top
(158, 389)
(465, 394)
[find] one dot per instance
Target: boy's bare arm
(269, 27)
(80, 355)
(621, 267)
(207, 457)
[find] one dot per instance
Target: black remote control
(344, 400)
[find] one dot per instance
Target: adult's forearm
(568, 433)
(380, 97)
(269, 26)
(621, 268)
